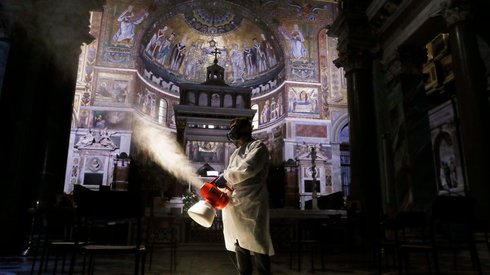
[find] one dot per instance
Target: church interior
(372, 111)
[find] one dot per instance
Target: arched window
(345, 160)
(344, 134)
(240, 103)
(191, 98)
(255, 120)
(215, 100)
(162, 111)
(203, 99)
(228, 101)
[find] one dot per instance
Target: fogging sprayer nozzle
(203, 212)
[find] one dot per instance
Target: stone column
(355, 43)
(180, 124)
(408, 140)
(35, 104)
(472, 101)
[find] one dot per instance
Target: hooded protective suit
(246, 217)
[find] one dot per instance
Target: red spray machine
(203, 212)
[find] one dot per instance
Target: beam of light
(163, 148)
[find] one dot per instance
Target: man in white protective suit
(246, 217)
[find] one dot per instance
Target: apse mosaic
(185, 44)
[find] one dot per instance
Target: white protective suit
(246, 217)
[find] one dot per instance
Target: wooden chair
(59, 238)
(308, 237)
(481, 234)
(161, 233)
(453, 228)
(113, 226)
(412, 236)
(387, 244)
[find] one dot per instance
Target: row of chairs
(100, 223)
(449, 226)
(313, 237)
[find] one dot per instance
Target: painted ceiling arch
(179, 43)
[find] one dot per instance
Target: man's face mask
(234, 134)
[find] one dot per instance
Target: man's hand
(220, 181)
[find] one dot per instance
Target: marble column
(472, 101)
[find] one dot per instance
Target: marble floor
(212, 259)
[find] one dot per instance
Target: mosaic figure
(128, 21)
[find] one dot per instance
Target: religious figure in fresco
(296, 42)
(178, 54)
(303, 101)
(248, 58)
(165, 49)
(279, 105)
(202, 58)
(274, 113)
(220, 151)
(195, 151)
(190, 62)
(99, 122)
(149, 104)
(155, 41)
(121, 94)
(261, 59)
(269, 51)
(265, 115)
(291, 101)
(303, 97)
(103, 88)
(237, 63)
(128, 21)
(120, 91)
